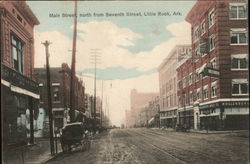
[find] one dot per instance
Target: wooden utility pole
(102, 103)
(72, 77)
(52, 151)
(95, 59)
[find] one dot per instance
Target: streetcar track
(174, 146)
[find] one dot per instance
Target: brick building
(214, 82)
(19, 93)
(168, 84)
(60, 88)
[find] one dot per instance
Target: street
(152, 146)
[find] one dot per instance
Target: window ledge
(211, 49)
(234, 69)
(237, 18)
(210, 26)
(240, 94)
(240, 44)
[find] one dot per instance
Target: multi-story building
(138, 102)
(168, 84)
(215, 80)
(19, 93)
(153, 112)
(60, 93)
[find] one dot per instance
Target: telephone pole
(72, 77)
(52, 151)
(95, 58)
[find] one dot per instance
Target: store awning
(19, 83)
(151, 120)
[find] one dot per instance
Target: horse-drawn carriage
(74, 135)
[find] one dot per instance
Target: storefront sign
(18, 80)
(235, 104)
(226, 104)
(211, 72)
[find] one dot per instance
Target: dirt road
(152, 146)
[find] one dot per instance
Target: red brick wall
(23, 30)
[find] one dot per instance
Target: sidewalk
(31, 154)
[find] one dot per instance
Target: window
(203, 27)
(238, 36)
(239, 61)
(196, 77)
(196, 33)
(184, 82)
(56, 93)
(213, 89)
(179, 85)
(179, 101)
(190, 97)
(213, 63)
(197, 52)
(190, 79)
(198, 94)
(211, 18)
(237, 11)
(239, 86)
(205, 92)
(211, 42)
(17, 53)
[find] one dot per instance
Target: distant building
(60, 93)
(19, 91)
(168, 84)
(138, 102)
(214, 85)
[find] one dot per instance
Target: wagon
(74, 135)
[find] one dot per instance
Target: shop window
(238, 36)
(211, 20)
(239, 62)
(237, 11)
(17, 53)
(239, 87)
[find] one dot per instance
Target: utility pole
(102, 103)
(95, 56)
(72, 77)
(52, 151)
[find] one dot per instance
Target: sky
(130, 44)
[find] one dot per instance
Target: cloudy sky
(130, 48)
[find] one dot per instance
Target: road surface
(152, 146)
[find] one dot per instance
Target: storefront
(19, 107)
(186, 118)
(225, 115)
(168, 118)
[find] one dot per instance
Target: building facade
(168, 84)
(19, 91)
(60, 94)
(138, 102)
(214, 82)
